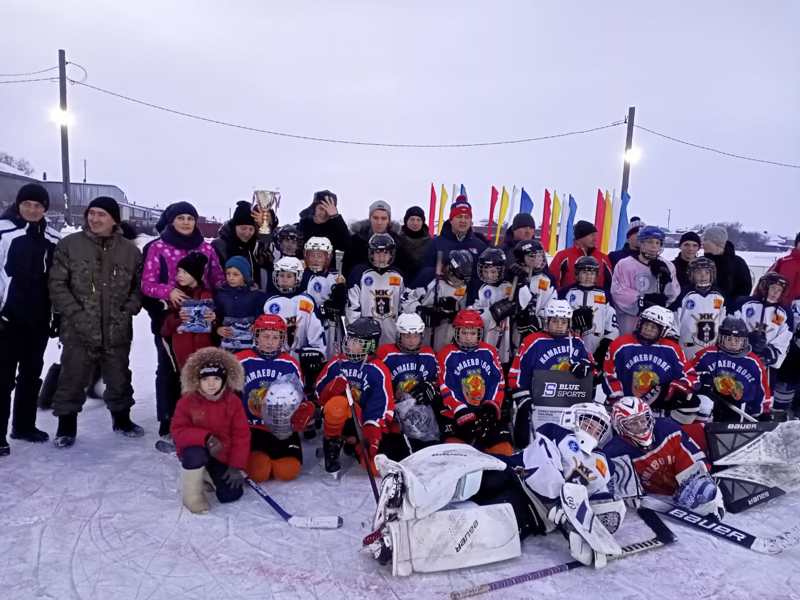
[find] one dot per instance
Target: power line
(338, 140)
(29, 72)
(30, 80)
(722, 152)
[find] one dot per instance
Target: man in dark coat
(456, 234)
(380, 221)
(733, 275)
(239, 237)
(322, 219)
(689, 247)
(414, 238)
(26, 255)
(631, 246)
(522, 228)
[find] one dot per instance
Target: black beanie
(583, 228)
(214, 369)
(35, 192)
(194, 264)
(243, 214)
(320, 196)
(179, 208)
(523, 220)
(414, 211)
(690, 236)
(107, 204)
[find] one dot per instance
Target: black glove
(765, 417)
(428, 315)
(758, 341)
(653, 299)
(311, 360)
(488, 419)
(465, 420)
(338, 297)
(55, 325)
(660, 271)
(769, 355)
(502, 309)
(233, 477)
(680, 398)
(581, 369)
(522, 417)
(520, 272)
(4, 327)
(446, 308)
(425, 393)
(582, 318)
(600, 353)
(527, 321)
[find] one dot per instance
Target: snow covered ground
(104, 520)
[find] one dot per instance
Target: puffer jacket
(256, 251)
(358, 252)
(196, 417)
(94, 286)
(161, 264)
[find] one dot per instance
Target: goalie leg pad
(334, 415)
(454, 539)
(582, 519)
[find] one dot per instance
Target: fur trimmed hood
(190, 374)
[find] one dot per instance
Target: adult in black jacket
(733, 274)
(380, 221)
(239, 237)
(689, 246)
(522, 229)
(457, 234)
(322, 219)
(414, 238)
(26, 255)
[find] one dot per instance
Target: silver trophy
(266, 200)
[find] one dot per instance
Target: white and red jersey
(426, 296)
(494, 333)
(304, 329)
(604, 317)
(774, 320)
(376, 293)
(470, 378)
(533, 298)
(698, 319)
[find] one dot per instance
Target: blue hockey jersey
(370, 384)
(409, 368)
(259, 373)
(541, 351)
(470, 378)
(743, 379)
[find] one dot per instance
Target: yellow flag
(442, 204)
(555, 222)
(607, 218)
(502, 216)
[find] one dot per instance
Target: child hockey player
(494, 301)
(702, 308)
(237, 305)
(472, 386)
(733, 376)
(375, 290)
(593, 317)
(288, 242)
(537, 288)
(370, 387)
(667, 461)
(769, 323)
(210, 428)
(189, 280)
(274, 403)
(554, 349)
(326, 287)
(415, 374)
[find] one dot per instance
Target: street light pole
(62, 90)
(626, 164)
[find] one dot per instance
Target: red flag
(492, 204)
(600, 217)
(432, 211)
(546, 220)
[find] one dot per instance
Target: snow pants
(168, 386)
(21, 361)
(78, 365)
(196, 457)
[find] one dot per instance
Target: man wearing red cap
(563, 266)
(456, 234)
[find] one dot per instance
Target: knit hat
(240, 264)
(321, 195)
(179, 208)
(690, 236)
(461, 207)
(583, 228)
(715, 235)
(213, 369)
(243, 214)
(380, 205)
(523, 220)
(194, 264)
(35, 192)
(634, 226)
(107, 204)
(414, 211)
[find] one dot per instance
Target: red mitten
(302, 416)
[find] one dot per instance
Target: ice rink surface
(104, 520)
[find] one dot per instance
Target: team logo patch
(317, 286)
(571, 298)
(255, 400)
(777, 319)
(690, 304)
(383, 303)
(705, 328)
(718, 303)
(368, 281)
(573, 445)
(544, 284)
(394, 280)
(487, 294)
(274, 308)
(750, 311)
(599, 299)
(460, 292)
(473, 385)
(644, 380)
(405, 384)
(306, 306)
(727, 385)
(561, 365)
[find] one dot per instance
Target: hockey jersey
(375, 293)
(259, 373)
(646, 370)
(408, 369)
(631, 280)
(774, 320)
(318, 285)
(604, 317)
(370, 384)
(743, 379)
(426, 295)
(304, 328)
(669, 461)
(494, 333)
(470, 378)
(541, 351)
(534, 297)
(698, 319)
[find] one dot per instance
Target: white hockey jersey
(494, 333)
(536, 295)
(376, 294)
(319, 286)
(426, 296)
(773, 320)
(698, 319)
(604, 317)
(303, 324)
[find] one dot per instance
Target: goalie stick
(764, 545)
(663, 537)
(294, 520)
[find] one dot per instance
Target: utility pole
(84, 170)
(669, 217)
(626, 164)
(62, 90)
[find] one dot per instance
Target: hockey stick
(294, 520)
(764, 545)
(663, 537)
(741, 413)
(436, 279)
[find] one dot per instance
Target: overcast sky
(723, 74)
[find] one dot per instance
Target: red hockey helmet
(271, 322)
(632, 419)
(467, 319)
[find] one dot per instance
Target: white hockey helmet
(659, 316)
(591, 424)
(283, 397)
(288, 264)
(558, 309)
(409, 323)
(318, 244)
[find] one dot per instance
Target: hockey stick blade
(663, 537)
(332, 522)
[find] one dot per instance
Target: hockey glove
(769, 355)
(758, 341)
(582, 318)
(660, 271)
(372, 438)
(233, 477)
(428, 315)
(213, 445)
(446, 308)
(502, 309)
(700, 494)
(302, 416)
(425, 393)
(527, 321)
(653, 299)
(522, 417)
(338, 297)
(311, 360)
(581, 369)
(55, 325)
(520, 272)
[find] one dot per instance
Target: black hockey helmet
(366, 330)
(381, 242)
(289, 232)
(732, 337)
(489, 258)
(769, 279)
(699, 264)
(459, 265)
(587, 263)
(531, 248)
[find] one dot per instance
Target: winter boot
(67, 431)
(163, 428)
(37, 436)
(194, 497)
(331, 449)
(122, 424)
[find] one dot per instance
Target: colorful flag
(555, 222)
(546, 220)
(599, 216)
(525, 202)
(442, 204)
(622, 221)
(464, 191)
(612, 236)
(562, 231)
(501, 219)
(607, 212)
(573, 208)
(492, 204)
(432, 212)
(454, 196)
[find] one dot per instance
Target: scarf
(180, 241)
